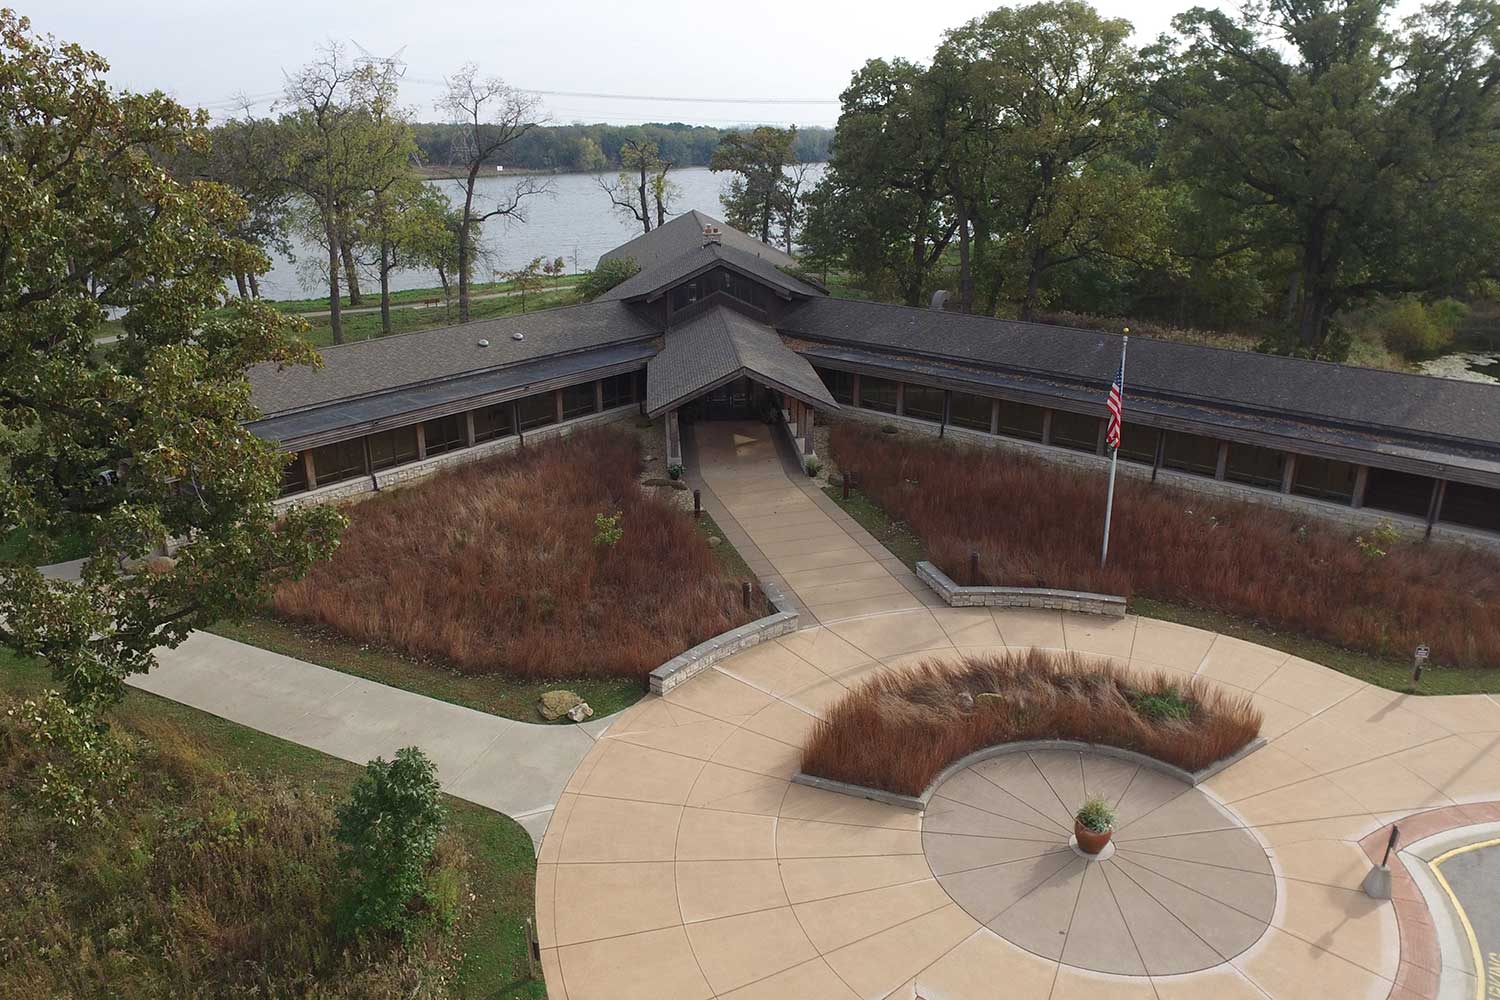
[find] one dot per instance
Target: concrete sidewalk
(517, 768)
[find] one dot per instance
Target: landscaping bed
(503, 567)
(212, 871)
(898, 731)
(1040, 527)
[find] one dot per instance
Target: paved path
(514, 767)
(791, 533)
(682, 863)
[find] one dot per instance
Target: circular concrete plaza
(1182, 887)
(682, 863)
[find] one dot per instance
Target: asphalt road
(1473, 875)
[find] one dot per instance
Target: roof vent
(518, 335)
(711, 235)
(484, 343)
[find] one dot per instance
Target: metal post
(1161, 450)
(697, 505)
(846, 486)
(973, 569)
(745, 593)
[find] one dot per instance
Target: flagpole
(1114, 460)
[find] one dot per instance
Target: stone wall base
(1018, 597)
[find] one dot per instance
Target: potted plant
(1092, 825)
(674, 471)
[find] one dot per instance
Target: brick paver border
(1418, 976)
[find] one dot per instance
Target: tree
(492, 117)
(642, 191)
(340, 142)
(606, 275)
(243, 157)
(757, 159)
(144, 443)
(529, 278)
(389, 830)
(1365, 149)
(1050, 92)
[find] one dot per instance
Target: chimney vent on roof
(711, 235)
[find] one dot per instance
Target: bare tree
(642, 185)
(491, 117)
(793, 206)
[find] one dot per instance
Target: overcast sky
(206, 53)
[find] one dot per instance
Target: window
(393, 447)
(1078, 431)
(922, 402)
(1018, 420)
(493, 422)
(538, 410)
(619, 390)
(1471, 506)
(294, 476)
(1191, 453)
(877, 394)
(1400, 492)
(1138, 444)
(973, 412)
(446, 434)
(1255, 466)
(578, 400)
(840, 384)
(685, 295)
(1324, 478)
(736, 285)
(334, 463)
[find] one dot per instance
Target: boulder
(714, 541)
(580, 711)
(556, 704)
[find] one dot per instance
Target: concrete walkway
(513, 767)
(793, 535)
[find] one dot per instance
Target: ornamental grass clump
(901, 728)
(1096, 815)
(508, 566)
(1036, 524)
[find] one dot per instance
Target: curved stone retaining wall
(1018, 597)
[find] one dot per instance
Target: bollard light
(697, 504)
(973, 569)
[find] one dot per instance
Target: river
(573, 220)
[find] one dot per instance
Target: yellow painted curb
(1434, 864)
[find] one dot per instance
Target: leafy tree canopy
(141, 441)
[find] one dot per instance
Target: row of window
(361, 456)
(1245, 464)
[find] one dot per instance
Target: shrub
(1036, 524)
(389, 830)
(606, 275)
(1163, 706)
(607, 530)
(1413, 328)
(1096, 815)
(814, 466)
(900, 729)
(491, 568)
(74, 764)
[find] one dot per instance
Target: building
(717, 324)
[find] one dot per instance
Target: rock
(965, 700)
(714, 541)
(649, 458)
(157, 565)
(580, 711)
(556, 704)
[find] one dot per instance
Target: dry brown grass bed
(900, 729)
(494, 568)
(1035, 524)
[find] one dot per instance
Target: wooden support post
(807, 432)
(854, 390)
(900, 399)
(557, 404)
(469, 428)
(1289, 473)
(1046, 427)
(421, 442)
(1221, 465)
(1161, 453)
(309, 470)
(973, 569)
(994, 416)
(1361, 481)
(1435, 504)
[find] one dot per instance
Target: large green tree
(1368, 150)
(142, 441)
(758, 161)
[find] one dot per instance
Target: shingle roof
(721, 344)
(677, 236)
(663, 276)
(1363, 398)
(385, 363)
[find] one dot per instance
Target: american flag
(1116, 406)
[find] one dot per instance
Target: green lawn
(1387, 672)
(494, 693)
(366, 326)
(371, 297)
(489, 950)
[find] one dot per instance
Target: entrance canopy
(718, 346)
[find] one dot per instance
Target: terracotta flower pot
(1090, 841)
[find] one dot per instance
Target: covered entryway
(722, 364)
